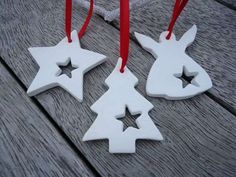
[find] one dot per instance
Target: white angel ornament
(171, 65)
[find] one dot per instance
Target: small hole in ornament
(122, 70)
(168, 36)
(69, 39)
(164, 37)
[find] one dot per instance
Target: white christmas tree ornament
(172, 63)
(111, 108)
(51, 61)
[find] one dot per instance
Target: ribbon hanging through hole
(124, 32)
(178, 8)
(68, 20)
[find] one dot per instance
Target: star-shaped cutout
(129, 120)
(51, 75)
(186, 77)
(66, 68)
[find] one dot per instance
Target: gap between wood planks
(208, 94)
(50, 119)
(231, 6)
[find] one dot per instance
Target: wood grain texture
(214, 47)
(110, 11)
(199, 135)
(113, 4)
(29, 144)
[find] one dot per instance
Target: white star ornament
(50, 58)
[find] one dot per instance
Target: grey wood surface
(113, 4)
(199, 134)
(214, 47)
(29, 144)
(110, 11)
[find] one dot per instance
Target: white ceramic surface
(171, 61)
(48, 59)
(112, 105)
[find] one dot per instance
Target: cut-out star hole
(129, 120)
(66, 68)
(186, 77)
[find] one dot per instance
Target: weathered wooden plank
(112, 5)
(29, 144)
(200, 136)
(110, 11)
(214, 48)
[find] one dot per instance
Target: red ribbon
(124, 32)
(68, 20)
(178, 8)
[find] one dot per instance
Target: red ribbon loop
(124, 32)
(68, 20)
(178, 8)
